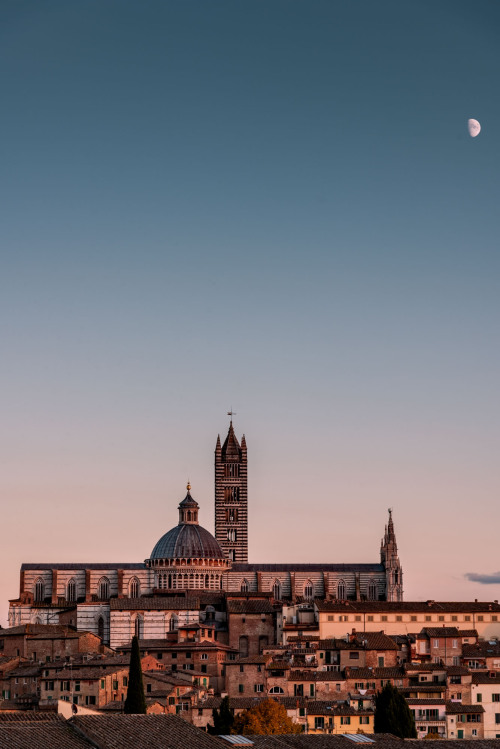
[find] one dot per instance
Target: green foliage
(392, 714)
(268, 717)
(223, 719)
(136, 701)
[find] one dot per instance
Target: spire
(217, 444)
(243, 443)
(231, 447)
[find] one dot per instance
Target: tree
(136, 701)
(392, 714)
(268, 717)
(223, 719)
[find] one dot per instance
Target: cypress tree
(392, 714)
(136, 701)
(223, 719)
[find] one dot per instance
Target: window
(441, 618)
(467, 618)
(383, 618)
(319, 723)
(354, 655)
(298, 690)
(370, 618)
(399, 618)
(173, 623)
(454, 643)
(134, 588)
(204, 657)
(103, 684)
(372, 591)
(330, 617)
(242, 668)
(308, 590)
(263, 642)
(77, 686)
(341, 590)
(244, 587)
(357, 618)
(103, 589)
(497, 718)
(479, 697)
(381, 661)
(115, 684)
(413, 618)
(364, 720)
(258, 687)
(494, 618)
(232, 470)
(311, 690)
(139, 627)
(241, 688)
(188, 654)
(436, 643)
(345, 720)
(480, 618)
(231, 534)
(277, 590)
(39, 592)
(244, 646)
(100, 628)
(71, 590)
(454, 618)
(125, 681)
(428, 618)
(495, 697)
(276, 690)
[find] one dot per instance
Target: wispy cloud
(485, 579)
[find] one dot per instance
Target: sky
(268, 206)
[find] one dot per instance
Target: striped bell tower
(231, 496)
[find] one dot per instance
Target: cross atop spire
(231, 413)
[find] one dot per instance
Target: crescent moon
(474, 128)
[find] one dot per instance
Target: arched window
(71, 590)
(100, 627)
(341, 590)
(277, 590)
(103, 589)
(372, 591)
(308, 590)
(173, 623)
(134, 588)
(244, 646)
(276, 690)
(245, 587)
(139, 627)
(396, 577)
(39, 590)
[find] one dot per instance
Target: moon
(474, 128)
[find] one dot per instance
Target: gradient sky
(270, 205)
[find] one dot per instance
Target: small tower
(390, 560)
(231, 496)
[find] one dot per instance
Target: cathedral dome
(188, 556)
(187, 540)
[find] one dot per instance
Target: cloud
(493, 579)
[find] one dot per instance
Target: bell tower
(231, 496)
(390, 559)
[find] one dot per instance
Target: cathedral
(189, 568)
